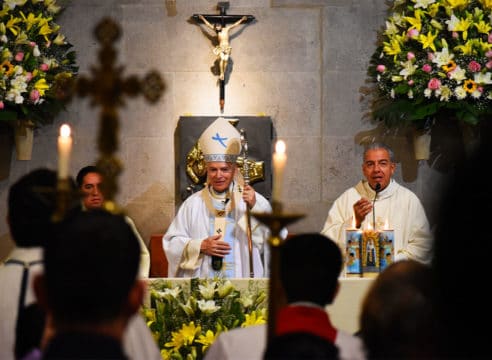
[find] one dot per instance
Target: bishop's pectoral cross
(222, 25)
(107, 89)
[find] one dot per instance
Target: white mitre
(220, 142)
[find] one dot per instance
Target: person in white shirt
(379, 199)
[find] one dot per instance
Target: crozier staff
(212, 222)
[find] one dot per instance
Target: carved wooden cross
(107, 88)
(222, 50)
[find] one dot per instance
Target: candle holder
(276, 221)
(66, 197)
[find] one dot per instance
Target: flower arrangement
(186, 320)
(433, 57)
(35, 61)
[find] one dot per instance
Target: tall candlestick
(64, 149)
(279, 161)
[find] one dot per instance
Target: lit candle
(64, 149)
(387, 241)
(279, 161)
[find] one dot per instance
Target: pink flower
(480, 89)
(412, 33)
(427, 68)
(32, 44)
(28, 76)
(410, 55)
(489, 65)
(490, 38)
(488, 53)
(430, 56)
(434, 84)
(410, 82)
(473, 66)
(34, 95)
(19, 56)
(2, 105)
(455, 35)
(44, 67)
(381, 68)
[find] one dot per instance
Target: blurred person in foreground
(396, 320)
(461, 261)
(90, 288)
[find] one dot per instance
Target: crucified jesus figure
(223, 49)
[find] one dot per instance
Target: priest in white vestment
(208, 237)
(392, 203)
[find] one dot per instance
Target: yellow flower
(253, 319)
(185, 336)
(427, 41)
(456, 4)
(416, 21)
(466, 48)
(450, 66)
(12, 25)
(486, 4)
(394, 46)
(41, 85)
(7, 68)
(470, 86)
(207, 339)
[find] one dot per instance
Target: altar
(174, 306)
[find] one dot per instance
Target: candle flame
(65, 130)
(280, 147)
(386, 224)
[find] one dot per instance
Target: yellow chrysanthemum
(450, 66)
(7, 68)
(470, 86)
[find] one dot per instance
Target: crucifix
(107, 89)
(222, 24)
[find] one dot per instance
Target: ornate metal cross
(107, 89)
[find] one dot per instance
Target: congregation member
(89, 180)
(309, 270)
(30, 206)
(396, 320)
(300, 346)
(461, 261)
(378, 199)
(208, 237)
(90, 288)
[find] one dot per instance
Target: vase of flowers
(185, 320)
(433, 60)
(36, 62)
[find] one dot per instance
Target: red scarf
(305, 319)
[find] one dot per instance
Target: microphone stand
(244, 145)
(377, 189)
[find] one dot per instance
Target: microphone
(216, 263)
(217, 260)
(376, 189)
